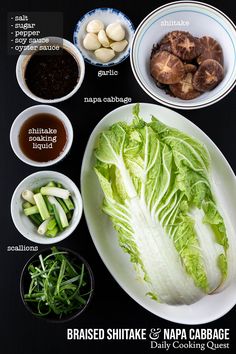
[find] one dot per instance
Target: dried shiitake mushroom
(162, 86)
(169, 38)
(185, 46)
(166, 47)
(185, 66)
(166, 68)
(190, 68)
(211, 49)
(208, 75)
(155, 49)
(184, 89)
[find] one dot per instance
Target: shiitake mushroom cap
(211, 49)
(184, 89)
(168, 39)
(166, 67)
(186, 47)
(209, 74)
(190, 68)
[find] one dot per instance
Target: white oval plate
(209, 308)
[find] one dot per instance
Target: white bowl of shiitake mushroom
(183, 55)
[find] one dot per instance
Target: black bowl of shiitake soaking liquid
(51, 74)
(43, 137)
(56, 284)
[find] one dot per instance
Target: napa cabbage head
(157, 193)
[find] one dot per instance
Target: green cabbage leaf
(158, 195)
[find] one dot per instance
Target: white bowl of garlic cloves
(104, 36)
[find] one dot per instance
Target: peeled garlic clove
(104, 54)
(94, 26)
(119, 46)
(115, 31)
(91, 41)
(102, 37)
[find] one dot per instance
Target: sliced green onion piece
(52, 223)
(41, 206)
(70, 205)
(49, 206)
(53, 232)
(57, 217)
(32, 210)
(43, 227)
(51, 184)
(36, 190)
(26, 205)
(55, 192)
(62, 214)
(35, 219)
(61, 201)
(28, 196)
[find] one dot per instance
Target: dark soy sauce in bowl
(51, 75)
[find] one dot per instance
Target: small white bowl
(199, 19)
(29, 112)
(25, 56)
(23, 223)
(107, 16)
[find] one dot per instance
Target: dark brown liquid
(51, 75)
(39, 145)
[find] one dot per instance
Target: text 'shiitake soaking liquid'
(42, 137)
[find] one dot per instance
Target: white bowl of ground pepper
(51, 70)
(41, 135)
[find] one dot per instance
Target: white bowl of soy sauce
(41, 135)
(50, 70)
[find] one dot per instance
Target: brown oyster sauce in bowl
(50, 75)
